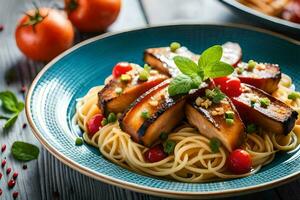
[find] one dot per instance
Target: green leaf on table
(218, 69)
(11, 121)
(24, 151)
(9, 101)
(181, 84)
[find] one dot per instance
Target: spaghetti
(193, 159)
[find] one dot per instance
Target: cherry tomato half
(94, 124)
(121, 68)
(155, 154)
(292, 11)
(230, 86)
(239, 161)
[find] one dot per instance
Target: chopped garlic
(153, 72)
(153, 103)
(199, 100)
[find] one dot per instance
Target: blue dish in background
(275, 23)
(51, 100)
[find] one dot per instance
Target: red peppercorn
(3, 147)
(0, 192)
(23, 89)
(11, 183)
(1, 27)
(15, 175)
(24, 166)
(15, 195)
(24, 126)
(3, 163)
(0, 175)
(8, 170)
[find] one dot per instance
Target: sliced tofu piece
(210, 121)
(264, 76)
(232, 53)
(111, 100)
(161, 59)
(277, 117)
(164, 113)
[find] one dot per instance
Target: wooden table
(47, 177)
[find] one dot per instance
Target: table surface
(47, 177)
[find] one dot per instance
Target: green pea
(78, 141)
(174, 46)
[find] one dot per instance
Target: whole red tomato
(92, 15)
(44, 33)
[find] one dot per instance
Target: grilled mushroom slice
(161, 59)
(153, 113)
(216, 120)
(256, 106)
(264, 76)
(120, 92)
(232, 53)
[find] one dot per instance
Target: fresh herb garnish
(251, 128)
(215, 95)
(144, 75)
(294, 95)
(10, 104)
(229, 122)
(104, 122)
(214, 144)
(169, 146)
(145, 114)
(147, 67)
(24, 151)
(209, 66)
(251, 65)
(229, 114)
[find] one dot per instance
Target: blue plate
(50, 102)
(275, 23)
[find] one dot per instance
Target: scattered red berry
(155, 154)
(0, 175)
(23, 89)
(239, 161)
(24, 166)
(15, 175)
(1, 27)
(3, 163)
(0, 192)
(15, 195)
(3, 148)
(24, 126)
(11, 183)
(8, 170)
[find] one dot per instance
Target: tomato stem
(34, 19)
(73, 4)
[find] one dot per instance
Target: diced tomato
(94, 124)
(230, 86)
(121, 68)
(239, 161)
(292, 11)
(155, 154)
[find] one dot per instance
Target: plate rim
(261, 15)
(132, 186)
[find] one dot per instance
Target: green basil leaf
(9, 101)
(4, 117)
(24, 151)
(11, 121)
(186, 65)
(214, 144)
(218, 69)
(197, 80)
(20, 106)
(181, 84)
(210, 56)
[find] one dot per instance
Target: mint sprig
(11, 105)
(193, 74)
